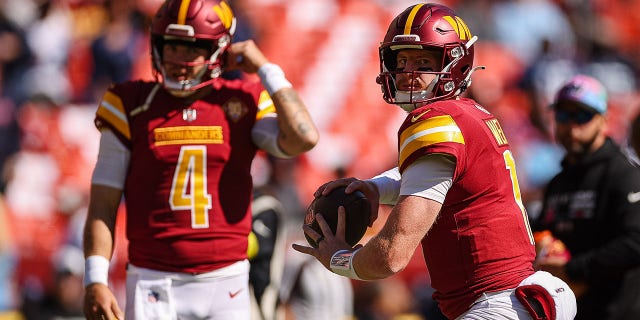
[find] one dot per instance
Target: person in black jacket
(593, 207)
(634, 138)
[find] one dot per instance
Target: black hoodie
(593, 206)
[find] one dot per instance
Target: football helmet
(432, 27)
(202, 23)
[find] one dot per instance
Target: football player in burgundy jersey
(455, 190)
(179, 151)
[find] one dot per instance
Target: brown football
(357, 208)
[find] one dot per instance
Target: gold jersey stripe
(266, 110)
(412, 15)
(427, 140)
(265, 105)
(184, 10)
(112, 111)
(433, 122)
(428, 132)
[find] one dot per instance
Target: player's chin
(408, 87)
(179, 78)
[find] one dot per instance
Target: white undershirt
(429, 177)
(265, 135)
(113, 161)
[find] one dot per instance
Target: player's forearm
(381, 257)
(98, 249)
(390, 251)
(98, 238)
(99, 230)
(99, 233)
(372, 262)
(297, 132)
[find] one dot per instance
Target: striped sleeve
(265, 105)
(111, 113)
(425, 133)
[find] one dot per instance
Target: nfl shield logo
(189, 114)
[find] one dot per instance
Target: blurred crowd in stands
(58, 56)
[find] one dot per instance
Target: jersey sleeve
(112, 115)
(266, 108)
(436, 133)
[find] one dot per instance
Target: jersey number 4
(189, 186)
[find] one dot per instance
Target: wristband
(273, 78)
(342, 264)
(96, 270)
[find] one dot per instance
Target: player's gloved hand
(101, 304)
(368, 188)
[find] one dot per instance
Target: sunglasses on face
(578, 117)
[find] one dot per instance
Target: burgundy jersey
(188, 189)
(481, 240)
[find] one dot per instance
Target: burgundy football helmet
(432, 27)
(203, 23)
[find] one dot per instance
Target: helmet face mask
(207, 24)
(434, 28)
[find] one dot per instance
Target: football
(357, 208)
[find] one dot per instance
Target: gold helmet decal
(412, 16)
(184, 10)
(459, 26)
(224, 13)
(222, 10)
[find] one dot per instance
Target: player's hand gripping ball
(357, 214)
